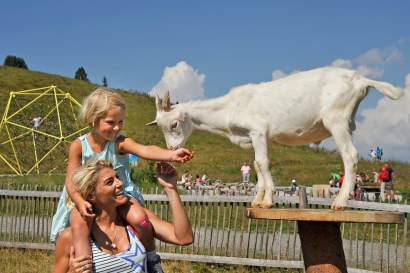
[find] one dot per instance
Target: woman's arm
(153, 152)
(64, 256)
(62, 252)
(179, 231)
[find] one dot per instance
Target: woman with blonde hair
(104, 111)
(115, 244)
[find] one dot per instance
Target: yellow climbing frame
(57, 97)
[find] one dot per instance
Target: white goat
(302, 108)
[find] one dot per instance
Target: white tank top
(131, 260)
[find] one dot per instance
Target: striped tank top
(131, 260)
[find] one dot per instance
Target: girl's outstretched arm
(153, 152)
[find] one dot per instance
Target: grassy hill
(214, 155)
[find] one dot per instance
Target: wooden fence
(223, 234)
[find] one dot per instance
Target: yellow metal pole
(9, 164)
(15, 138)
(4, 118)
(28, 104)
(35, 151)
(44, 156)
(33, 89)
(14, 150)
(37, 94)
(58, 113)
(76, 132)
(59, 97)
(32, 130)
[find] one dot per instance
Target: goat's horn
(158, 103)
(154, 122)
(166, 102)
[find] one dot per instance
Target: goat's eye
(174, 125)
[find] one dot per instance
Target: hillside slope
(214, 155)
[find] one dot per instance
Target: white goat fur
(302, 108)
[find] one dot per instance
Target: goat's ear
(166, 103)
(158, 103)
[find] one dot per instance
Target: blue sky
(220, 43)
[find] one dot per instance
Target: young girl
(104, 111)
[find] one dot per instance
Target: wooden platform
(327, 215)
(319, 232)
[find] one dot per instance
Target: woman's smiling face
(109, 189)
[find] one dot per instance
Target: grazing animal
(306, 107)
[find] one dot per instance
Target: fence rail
(223, 233)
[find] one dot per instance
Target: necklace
(112, 244)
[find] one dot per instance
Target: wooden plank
(327, 215)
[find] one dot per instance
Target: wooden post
(322, 247)
(321, 242)
(319, 231)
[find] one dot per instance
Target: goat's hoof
(256, 204)
(339, 204)
(266, 205)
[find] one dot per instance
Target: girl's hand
(166, 175)
(182, 155)
(80, 264)
(86, 210)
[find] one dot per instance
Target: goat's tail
(385, 88)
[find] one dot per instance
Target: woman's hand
(181, 155)
(80, 264)
(166, 175)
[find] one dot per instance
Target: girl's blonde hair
(84, 178)
(98, 103)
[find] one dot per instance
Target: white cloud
(277, 74)
(371, 72)
(184, 82)
(393, 56)
(370, 63)
(372, 56)
(387, 125)
(342, 63)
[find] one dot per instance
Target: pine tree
(15, 62)
(105, 82)
(80, 74)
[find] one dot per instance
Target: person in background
(341, 178)
(198, 182)
(204, 178)
(379, 153)
(246, 172)
(36, 122)
(372, 155)
(293, 186)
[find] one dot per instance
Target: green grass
(35, 261)
(214, 155)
